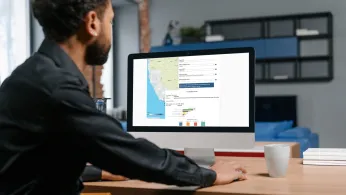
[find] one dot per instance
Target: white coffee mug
(277, 158)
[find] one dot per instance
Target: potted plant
(191, 34)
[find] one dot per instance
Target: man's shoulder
(36, 81)
(41, 71)
(46, 69)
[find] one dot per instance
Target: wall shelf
(300, 46)
(289, 49)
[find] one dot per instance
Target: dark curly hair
(60, 19)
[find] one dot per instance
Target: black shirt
(50, 128)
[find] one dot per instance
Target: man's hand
(227, 172)
(110, 177)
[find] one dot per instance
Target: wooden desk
(300, 180)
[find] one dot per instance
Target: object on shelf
(306, 32)
(191, 34)
(214, 38)
(207, 30)
(172, 36)
(325, 156)
(168, 40)
(175, 32)
(101, 104)
(120, 114)
(280, 77)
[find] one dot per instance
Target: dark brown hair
(60, 19)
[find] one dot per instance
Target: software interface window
(208, 90)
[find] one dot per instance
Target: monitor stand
(204, 157)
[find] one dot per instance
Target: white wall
(107, 81)
(126, 36)
(38, 35)
(321, 106)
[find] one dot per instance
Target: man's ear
(92, 24)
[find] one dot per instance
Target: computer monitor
(193, 99)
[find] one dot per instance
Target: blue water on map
(155, 106)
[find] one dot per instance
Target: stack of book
(325, 156)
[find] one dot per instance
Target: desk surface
(300, 180)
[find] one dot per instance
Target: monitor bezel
(250, 129)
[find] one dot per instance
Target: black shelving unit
(312, 42)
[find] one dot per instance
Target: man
(50, 127)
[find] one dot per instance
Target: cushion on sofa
(314, 140)
(271, 129)
(295, 133)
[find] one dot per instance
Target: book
(325, 152)
(325, 156)
(324, 162)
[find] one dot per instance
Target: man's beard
(97, 54)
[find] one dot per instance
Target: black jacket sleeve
(105, 145)
(91, 173)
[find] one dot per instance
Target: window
(14, 35)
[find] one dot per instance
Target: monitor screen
(192, 91)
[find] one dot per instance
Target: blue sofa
(281, 132)
(285, 132)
